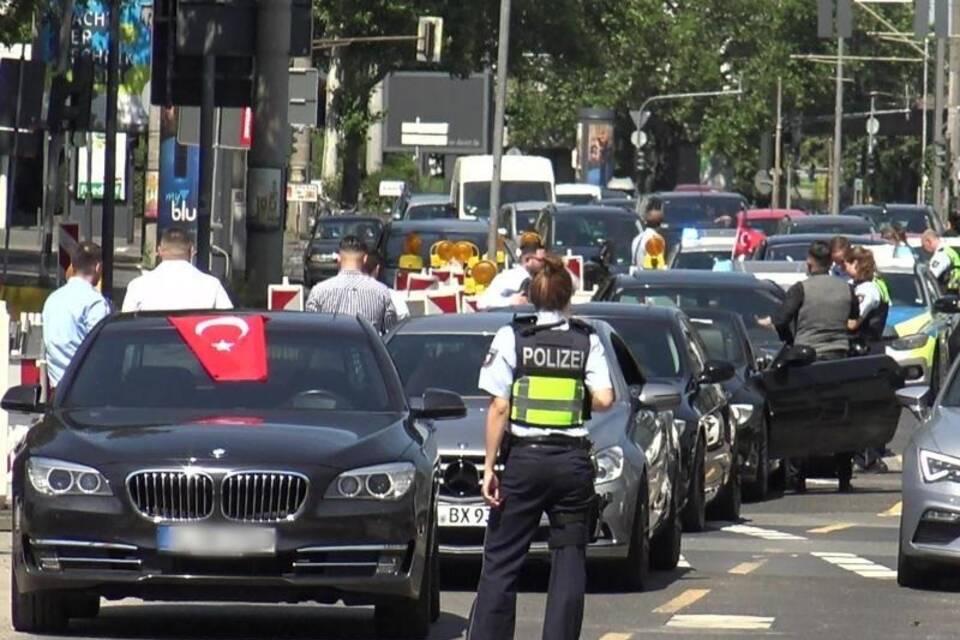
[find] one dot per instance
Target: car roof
(623, 310)
(323, 219)
(528, 205)
(696, 194)
(428, 198)
(821, 219)
(445, 225)
(486, 323)
(800, 238)
(326, 322)
(692, 278)
(773, 214)
(594, 209)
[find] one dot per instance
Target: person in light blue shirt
(73, 310)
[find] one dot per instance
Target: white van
(523, 178)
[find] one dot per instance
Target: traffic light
(940, 154)
(871, 163)
(641, 161)
(435, 164)
(80, 94)
(796, 134)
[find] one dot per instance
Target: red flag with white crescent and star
(230, 348)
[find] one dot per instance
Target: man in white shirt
(509, 288)
(638, 249)
(175, 284)
(372, 265)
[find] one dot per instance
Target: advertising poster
(97, 162)
(179, 186)
(91, 34)
(598, 163)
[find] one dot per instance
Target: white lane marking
(893, 512)
(616, 636)
(854, 563)
(757, 532)
(683, 564)
(822, 482)
(682, 601)
(725, 622)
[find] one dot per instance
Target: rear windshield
(768, 225)
(652, 344)
(812, 225)
(450, 362)
(367, 230)
(788, 252)
(698, 210)
(592, 229)
(576, 198)
(394, 245)
(750, 304)
(430, 212)
(701, 260)
(910, 219)
(476, 195)
(307, 370)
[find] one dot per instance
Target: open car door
(832, 406)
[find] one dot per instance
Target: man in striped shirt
(352, 292)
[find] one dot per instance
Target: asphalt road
(820, 565)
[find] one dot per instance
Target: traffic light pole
(837, 134)
(271, 146)
(503, 57)
(207, 113)
(110, 159)
(938, 140)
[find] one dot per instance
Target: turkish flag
(230, 348)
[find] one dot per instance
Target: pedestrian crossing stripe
(757, 532)
(854, 563)
(746, 568)
(682, 601)
(682, 563)
(721, 622)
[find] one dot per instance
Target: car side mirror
(24, 398)
(947, 304)
(917, 400)
(715, 371)
(437, 404)
(659, 397)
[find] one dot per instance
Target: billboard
(95, 182)
(431, 99)
(91, 33)
(179, 187)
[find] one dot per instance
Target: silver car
(636, 447)
(930, 523)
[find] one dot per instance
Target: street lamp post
(503, 54)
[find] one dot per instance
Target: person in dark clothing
(816, 313)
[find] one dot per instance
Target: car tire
(727, 504)
(37, 612)
(665, 546)
(694, 516)
(911, 573)
(83, 605)
(759, 489)
(406, 618)
(635, 573)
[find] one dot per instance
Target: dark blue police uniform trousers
(536, 479)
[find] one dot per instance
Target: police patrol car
(705, 249)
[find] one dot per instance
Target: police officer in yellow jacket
(545, 375)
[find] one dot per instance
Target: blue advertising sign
(179, 178)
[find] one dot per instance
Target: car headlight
(58, 478)
(741, 413)
(714, 429)
(382, 482)
(908, 343)
(609, 464)
(936, 467)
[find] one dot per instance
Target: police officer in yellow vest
(944, 261)
(545, 374)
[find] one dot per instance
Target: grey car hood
(466, 436)
(942, 431)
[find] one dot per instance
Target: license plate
(217, 541)
(452, 515)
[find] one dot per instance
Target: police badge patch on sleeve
(491, 356)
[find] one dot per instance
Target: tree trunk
(352, 144)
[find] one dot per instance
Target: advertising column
(179, 178)
(595, 146)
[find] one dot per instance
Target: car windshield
(910, 219)
(591, 229)
(750, 304)
(788, 252)
(721, 338)
(395, 241)
(906, 290)
(652, 345)
(436, 211)
(576, 198)
(133, 367)
(699, 210)
(476, 195)
(702, 260)
(368, 230)
(450, 362)
(527, 221)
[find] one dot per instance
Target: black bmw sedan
(245, 457)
